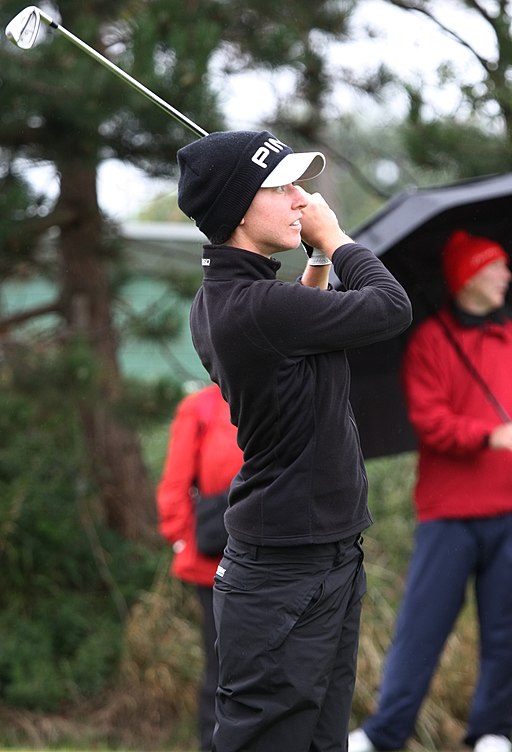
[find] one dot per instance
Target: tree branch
(357, 174)
(19, 318)
(404, 5)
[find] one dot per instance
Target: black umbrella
(408, 234)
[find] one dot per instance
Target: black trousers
(287, 624)
(210, 679)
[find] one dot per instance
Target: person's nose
(300, 197)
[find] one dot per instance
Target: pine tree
(63, 110)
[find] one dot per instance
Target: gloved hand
(316, 257)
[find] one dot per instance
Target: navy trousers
(448, 554)
(288, 626)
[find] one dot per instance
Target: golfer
(288, 590)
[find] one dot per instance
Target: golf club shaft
(176, 114)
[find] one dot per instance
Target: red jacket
(202, 446)
(458, 476)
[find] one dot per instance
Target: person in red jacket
(202, 452)
(457, 375)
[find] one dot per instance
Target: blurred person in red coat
(202, 453)
(457, 376)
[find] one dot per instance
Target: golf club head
(23, 28)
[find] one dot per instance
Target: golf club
(23, 30)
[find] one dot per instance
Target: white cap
(295, 167)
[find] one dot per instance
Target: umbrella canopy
(408, 234)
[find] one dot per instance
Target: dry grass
(441, 723)
(152, 705)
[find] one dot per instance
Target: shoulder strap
(206, 407)
(207, 404)
(498, 407)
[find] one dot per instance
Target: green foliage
(161, 325)
(391, 481)
(130, 627)
(51, 373)
(184, 283)
(67, 582)
(79, 610)
(438, 146)
(473, 137)
(143, 404)
(20, 206)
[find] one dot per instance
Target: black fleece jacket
(277, 351)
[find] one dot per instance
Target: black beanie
(221, 173)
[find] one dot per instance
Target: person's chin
(294, 242)
(285, 249)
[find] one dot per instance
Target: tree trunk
(114, 452)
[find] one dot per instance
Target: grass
(388, 546)
(151, 703)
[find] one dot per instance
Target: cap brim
(295, 167)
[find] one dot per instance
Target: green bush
(99, 648)
(67, 582)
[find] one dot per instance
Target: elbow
(406, 306)
(401, 316)
(406, 311)
(407, 315)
